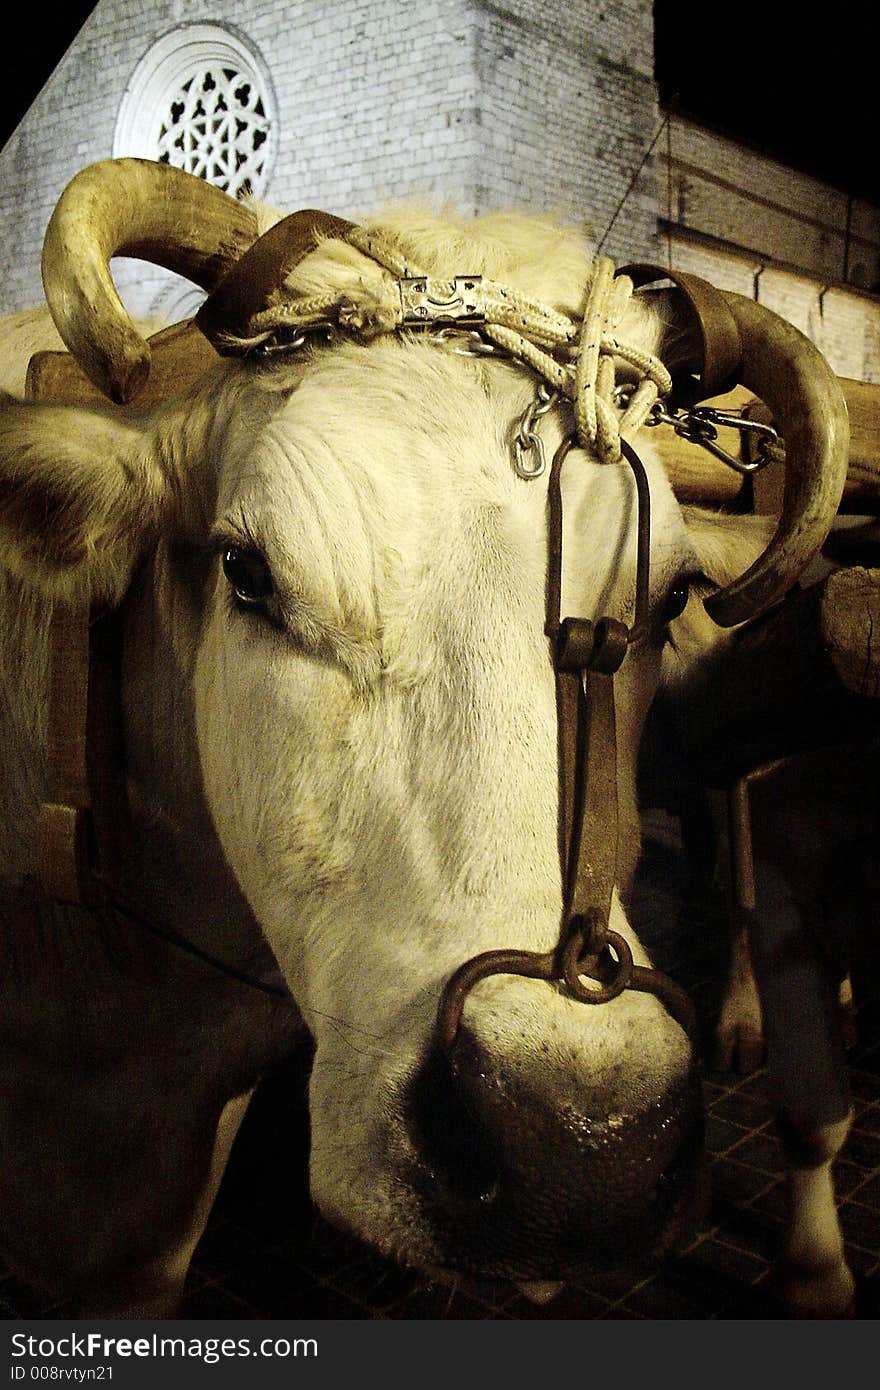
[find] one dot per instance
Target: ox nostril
(594, 1164)
(448, 1139)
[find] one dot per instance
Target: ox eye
(249, 575)
(676, 599)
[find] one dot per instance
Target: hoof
(825, 1292)
(739, 1050)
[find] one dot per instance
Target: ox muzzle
(537, 1169)
(541, 1160)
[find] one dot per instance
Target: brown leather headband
(84, 813)
(721, 357)
(249, 286)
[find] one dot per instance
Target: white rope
(577, 361)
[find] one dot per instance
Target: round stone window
(201, 98)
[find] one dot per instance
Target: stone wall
(462, 101)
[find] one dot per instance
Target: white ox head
(376, 721)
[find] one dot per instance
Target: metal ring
(522, 445)
(533, 965)
(675, 1000)
(574, 963)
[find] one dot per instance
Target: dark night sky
(43, 31)
(773, 75)
(766, 72)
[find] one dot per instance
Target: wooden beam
(804, 675)
(180, 355)
(849, 625)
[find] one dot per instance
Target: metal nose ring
(567, 964)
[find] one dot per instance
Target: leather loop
(64, 851)
(250, 284)
(611, 642)
(574, 644)
(719, 359)
(585, 646)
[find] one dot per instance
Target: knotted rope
(578, 361)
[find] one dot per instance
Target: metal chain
(700, 423)
(293, 338)
(529, 457)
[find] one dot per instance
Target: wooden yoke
(180, 355)
(80, 823)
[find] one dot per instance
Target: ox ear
(81, 498)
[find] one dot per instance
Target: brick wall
(800, 246)
(568, 110)
(719, 188)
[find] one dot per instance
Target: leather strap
(587, 700)
(587, 742)
(64, 826)
(719, 359)
(81, 821)
(251, 282)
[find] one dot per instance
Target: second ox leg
(808, 1077)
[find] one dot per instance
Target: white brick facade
(751, 225)
(568, 107)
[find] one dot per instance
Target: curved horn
(132, 207)
(726, 338)
(784, 368)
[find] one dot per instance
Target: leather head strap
(252, 281)
(720, 358)
(84, 814)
